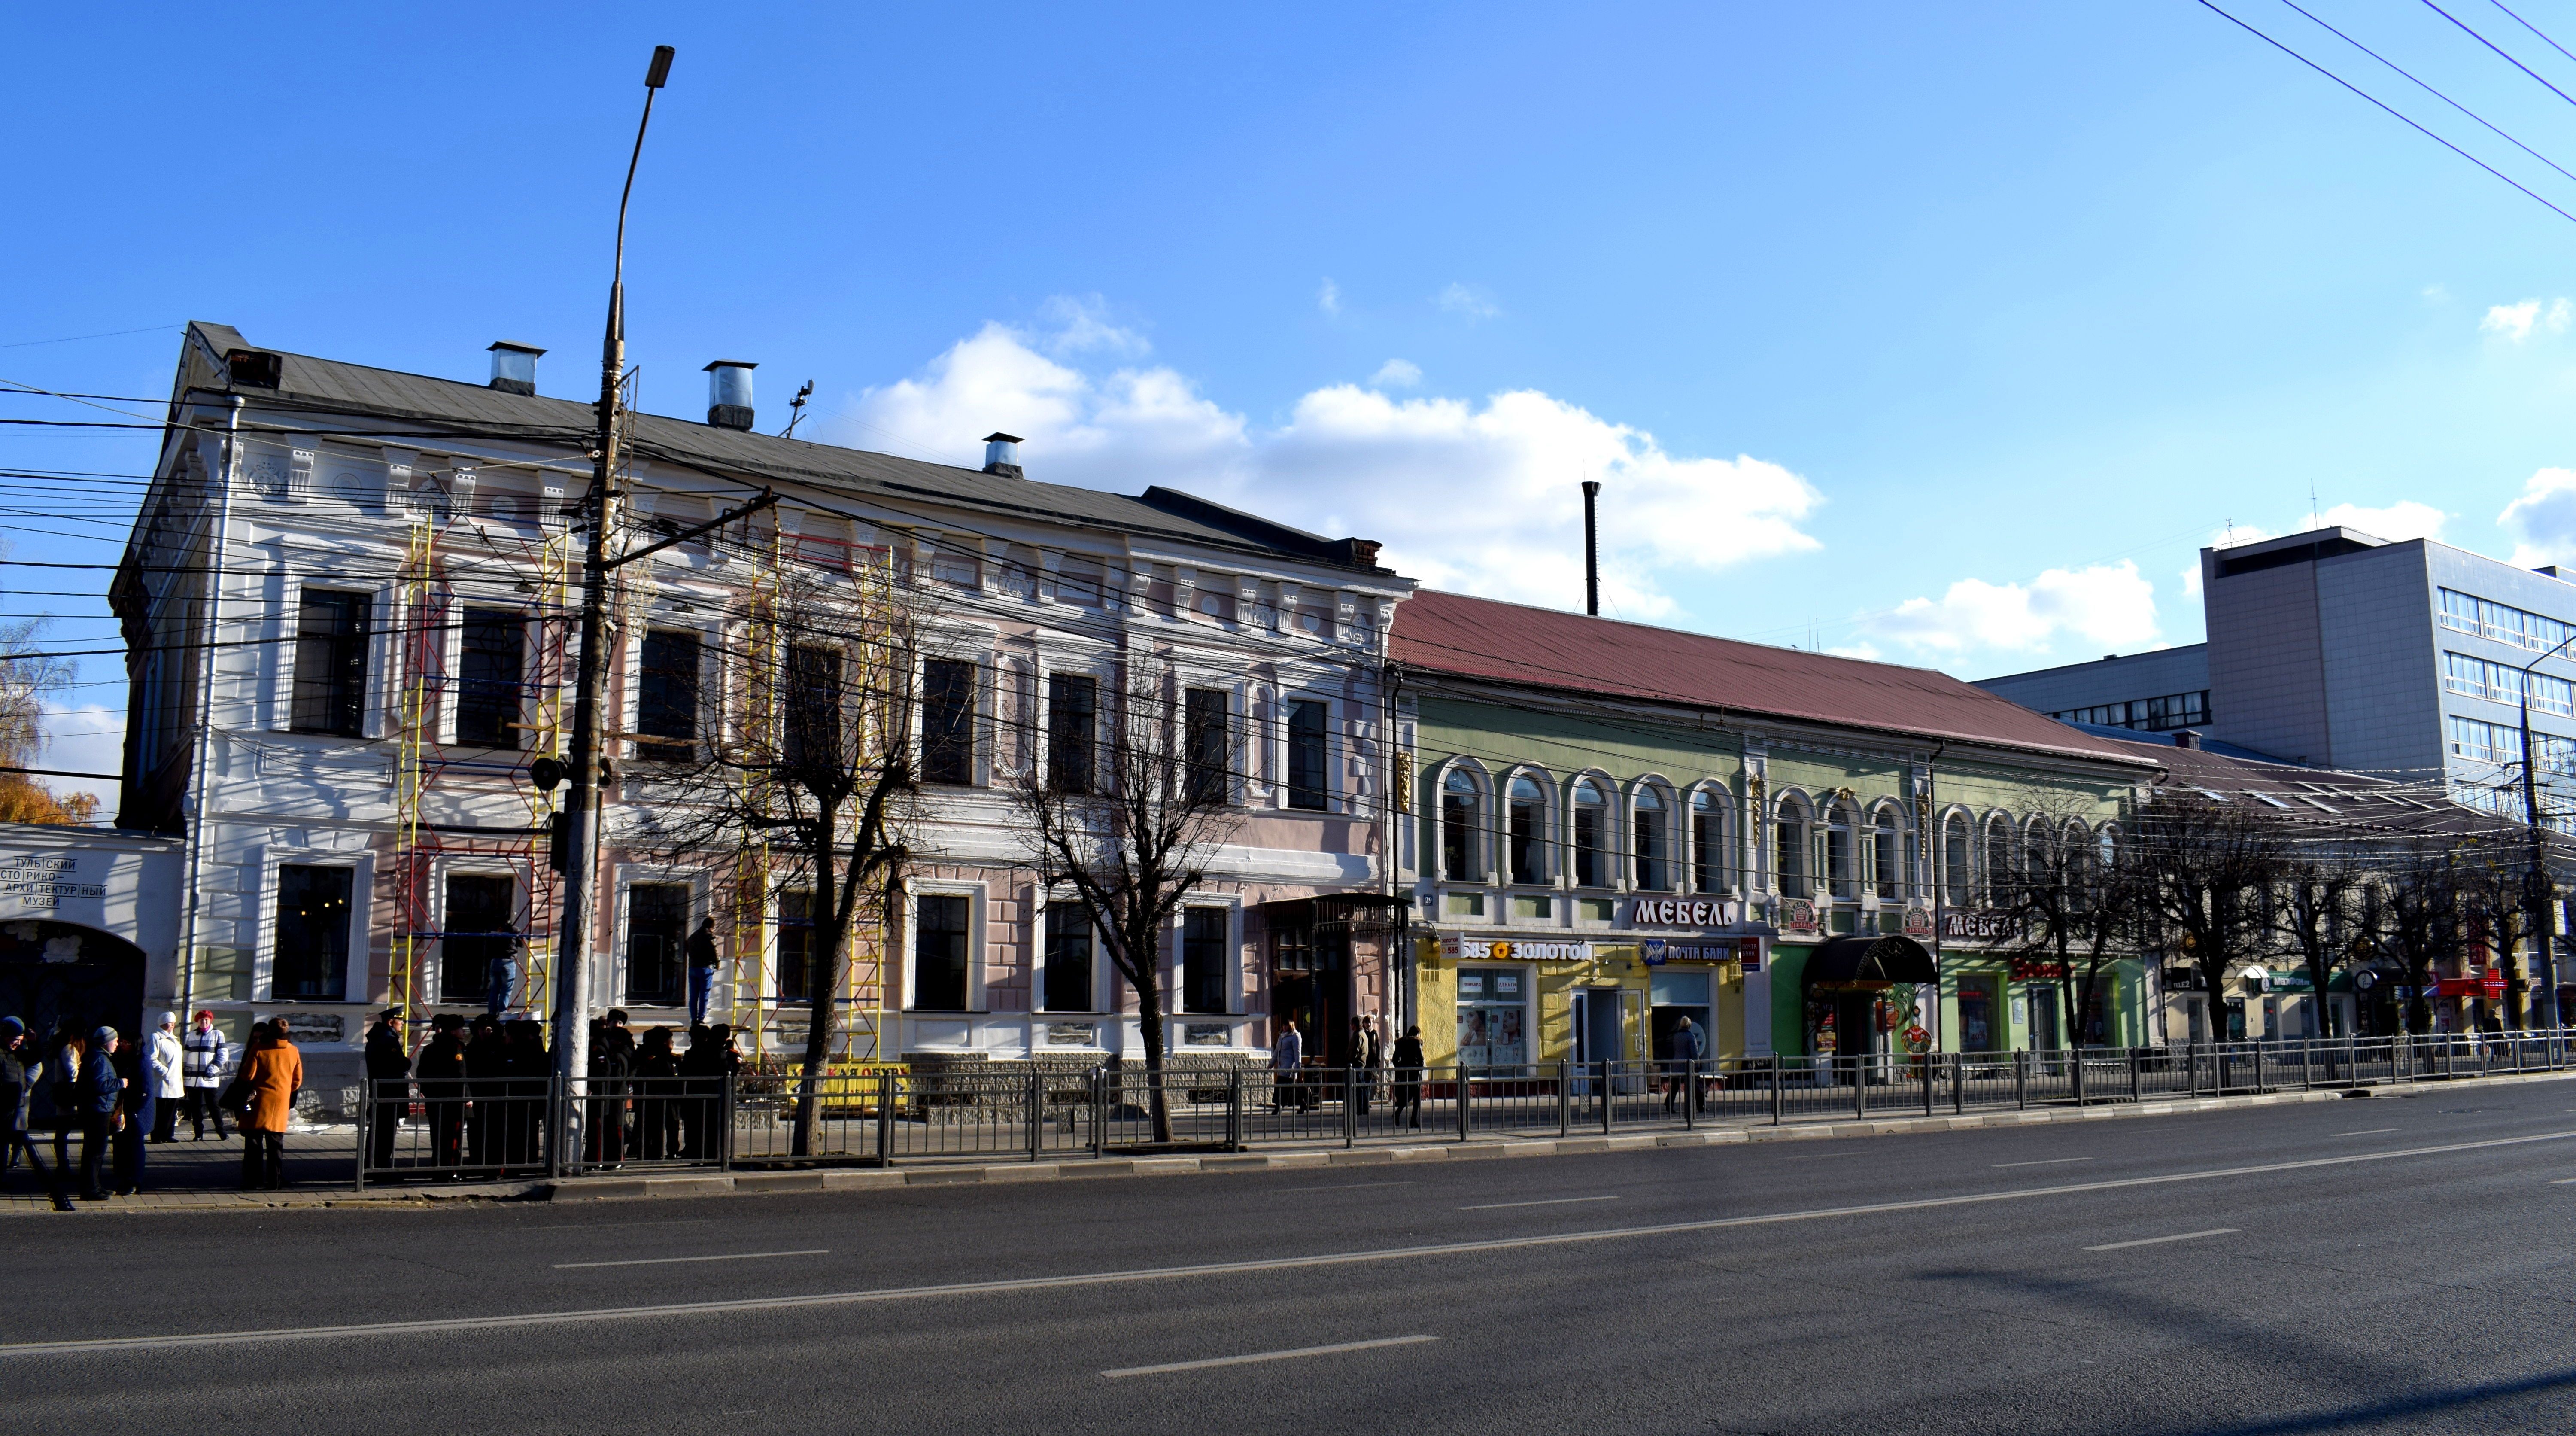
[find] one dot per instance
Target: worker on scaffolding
(502, 992)
(702, 970)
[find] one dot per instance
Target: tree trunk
(1149, 1022)
(835, 907)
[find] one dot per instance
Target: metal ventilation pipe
(1591, 548)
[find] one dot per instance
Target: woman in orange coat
(272, 1074)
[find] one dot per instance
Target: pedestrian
(1688, 1048)
(137, 1109)
(710, 1060)
(1364, 1061)
(97, 1097)
(441, 1075)
(530, 1070)
(487, 1081)
(702, 970)
(1408, 1074)
(17, 1090)
(611, 1062)
(273, 1074)
(63, 1077)
(388, 1087)
(1286, 1052)
(501, 988)
(205, 1069)
(657, 1070)
(168, 1065)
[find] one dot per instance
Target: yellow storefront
(1506, 1002)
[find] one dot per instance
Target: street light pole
(581, 901)
(2535, 878)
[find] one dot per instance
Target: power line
(2561, 49)
(2492, 45)
(2437, 94)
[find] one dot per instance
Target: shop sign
(41, 882)
(1798, 915)
(1456, 947)
(2490, 985)
(1748, 950)
(1918, 922)
(1975, 925)
(1678, 912)
(2025, 969)
(1659, 952)
(311, 1029)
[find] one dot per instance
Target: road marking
(2367, 1132)
(1346, 1187)
(664, 1261)
(2563, 1181)
(2157, 1241)
(1550, 1202)
(1827, 1156)
(2050, 1162)
(878, 1295)
(1291, 1355)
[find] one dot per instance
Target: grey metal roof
(330, 385)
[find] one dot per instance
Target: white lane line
(1291, 1355)
(1819, 1156)
(1550, 1202)
(2367, 1132)
(664, 1261)
(2563, 1181)
(2158, 1241)
(1346, 1187)
(2050, 1162)
(1205, 1269)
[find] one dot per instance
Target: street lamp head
(661, 68)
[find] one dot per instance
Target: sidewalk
(212, 1196)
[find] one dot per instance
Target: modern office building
(2334, 649)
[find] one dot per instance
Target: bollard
(1037, 1112)
(1860, 1087)
(2133, 1074)
(1607, 1106)
(1775, 1089)
(1927, 1059)
(1564, 1098)
(1350, 1106)
(1690, 1093)
(724, 1131)
(1958, 1082)
(366, 1112)
(885, 1118)
(1462, 1102)
(2021, 1079)
(1234, 1109)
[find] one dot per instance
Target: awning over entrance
(1865, 960)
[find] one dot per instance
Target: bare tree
(2205, 868)
(2418, 918)
(811, 780)
(1130, 806)
(2317, 908)
(2078, 902)
(26, 677)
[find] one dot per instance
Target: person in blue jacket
(99, 1097)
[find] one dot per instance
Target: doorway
(2044, 1036)
(1596, 1031)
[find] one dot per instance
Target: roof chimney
(2187, 738)
(514, 367)
(1002, 454)
(729, 393)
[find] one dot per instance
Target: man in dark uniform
(442, 1089)
(388, 1087)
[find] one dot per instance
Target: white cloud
(1329, 298)
(2109, 606)
(2515, 321)
(2543, 519)
(1081, 326)
(1397, 374)
(2438, 294)
(1479, 496)
(1467, 303)
(2405, 519)
(87, 739)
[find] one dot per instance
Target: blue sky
(1941, 333)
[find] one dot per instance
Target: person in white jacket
(163, 1059)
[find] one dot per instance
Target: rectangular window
(799, 972)
(812, 720)
(939, 934)
(657, 920)
(2501, 622)
(1306, 755)
(1073, 731)
(1789, 862)
(1203, 964)
(311, 958)
(488, 682)
(1708, 848)
(476, 931)
(331, 664)
(1210, 749)
(947, 721)
(666, 709)
(1587, 845)
(1068, 958)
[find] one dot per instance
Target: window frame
(345, 654)
(953, 749)
(1310, 747)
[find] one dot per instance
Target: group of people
(482, 1090)
(121, 1095)
(1374, 1063)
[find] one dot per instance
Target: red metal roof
(1542, 647)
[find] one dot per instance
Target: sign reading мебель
(42, 883)
(1680, 912)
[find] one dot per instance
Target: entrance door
(2044, 1035)
(1596, 1030)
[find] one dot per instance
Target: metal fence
(473, 1130)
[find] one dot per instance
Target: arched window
(1650, 840)
(1529, 830)
(1461, 855)
(2077, 863)
(1887, 851)
(1708, 843)
(1958, 878)
(1841, 856)
(2000, 866)
(1789, 849)
(1591, 816)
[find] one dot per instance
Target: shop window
(1493, 1017)
(330, 664)
(939, 967)
(800, 974)
(1708, 843)
(1073, 731)
(1461, 861)
(1308, 752)
(947, 721)
(812, 720)
(1203, 964)
(1529, 830)
(657, 920)
(1590, 817)
(1210, 739)
(1068, 986)
(1649, 841)
(490, 663)
(1978, 1029)
(310, 961)
(666, 708)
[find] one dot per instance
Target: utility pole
(2536, 887)
(581, 899)
(1591, 549)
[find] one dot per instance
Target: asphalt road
(2228, 1272)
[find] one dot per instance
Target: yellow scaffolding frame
(545, 733)
(411, 917)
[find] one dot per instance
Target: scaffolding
(422, 656)
(757, 731)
